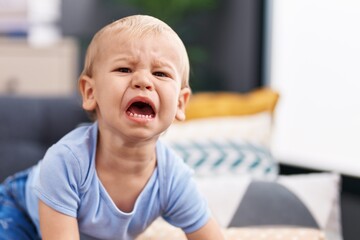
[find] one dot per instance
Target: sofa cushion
(20, 119)
(298, 200)
(18, 155)
(30, 125)
(220, 104)
(225, 145)
(226, 157)
(61, 115)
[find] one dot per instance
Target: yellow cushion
(216, 104)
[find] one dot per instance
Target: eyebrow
(160, 63)
(124, 57)
(135, 60)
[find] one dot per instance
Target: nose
(142, 81)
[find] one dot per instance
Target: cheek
(172, 95)
(169, 103)
(106, 95)
(110, 86)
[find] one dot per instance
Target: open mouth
(141, 109)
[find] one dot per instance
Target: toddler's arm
(55, 225)
(210, 231)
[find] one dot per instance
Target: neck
(125, 158)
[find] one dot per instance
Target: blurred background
(307, 50)
(224, 38)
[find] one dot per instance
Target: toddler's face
(136, 85)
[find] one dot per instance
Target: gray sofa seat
(30, 125)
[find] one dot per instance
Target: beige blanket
(161, 230)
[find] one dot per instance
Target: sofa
(254, 198)
(29, 125)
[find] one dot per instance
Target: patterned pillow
(320, 192)
(299, 200)
(225, 145)
(211, 157)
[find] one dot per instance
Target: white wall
(314, 62)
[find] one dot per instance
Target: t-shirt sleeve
(58, 182)
(186, 208)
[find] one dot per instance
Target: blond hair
(135, 26)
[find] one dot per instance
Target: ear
(87, 90)
(183, 100)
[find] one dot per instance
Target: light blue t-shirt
(66, 180)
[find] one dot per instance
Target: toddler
(113, 178)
